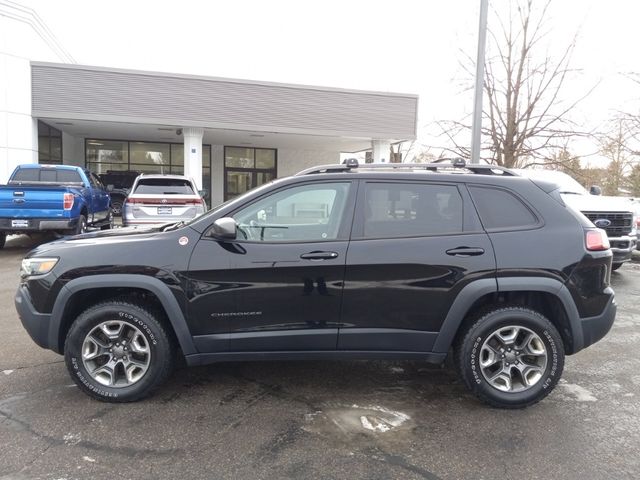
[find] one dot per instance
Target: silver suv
(158, 199)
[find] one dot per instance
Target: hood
(102, 237)
(597, 203)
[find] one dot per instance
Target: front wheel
(118, 351)
(3, 239)
(615, 266)
(510, 357)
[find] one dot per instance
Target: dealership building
(229, 135)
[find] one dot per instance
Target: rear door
(414, 246)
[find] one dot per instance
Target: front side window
(411, 209)
(305, 213)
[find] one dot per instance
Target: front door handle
(465, 251)
(319, 255)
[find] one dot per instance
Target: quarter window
(305, 213)
(500, 209)
(411, 209)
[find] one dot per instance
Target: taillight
(161, 202)
(596, 240)
(67, 202)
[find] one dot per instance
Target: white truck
(615, 215)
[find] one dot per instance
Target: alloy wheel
(513, 359)
(116, 354)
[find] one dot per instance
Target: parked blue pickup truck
(52, 198)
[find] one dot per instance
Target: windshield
(238, 199)
(564, 181)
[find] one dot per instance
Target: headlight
(37, 266)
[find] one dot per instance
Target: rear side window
(51, 175)
(411, 209)
(500, 209)
(164, 186)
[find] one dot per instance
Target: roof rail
(456, 164)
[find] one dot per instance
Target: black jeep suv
(390, 261)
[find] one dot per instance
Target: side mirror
(224, 228)
(203, 193)
(595, 190)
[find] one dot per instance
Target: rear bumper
(595, 328)
(37, 225)
(36, 324)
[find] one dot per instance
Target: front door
(413, 248)
(278, 286)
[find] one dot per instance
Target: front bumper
(623, 247)
(37, 225)
(595, 328)
(36, 324)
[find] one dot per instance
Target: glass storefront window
(107, 151)
(144, 157)
(49, 144)
(150, 157)
(247, 168)
(239, 157)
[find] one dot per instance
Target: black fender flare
(153, 285)
(477, 289)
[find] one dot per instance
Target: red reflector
(68, 201)
(596, 240)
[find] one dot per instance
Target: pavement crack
(400, 462)
(24, 367)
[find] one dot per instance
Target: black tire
(109, 225)
(468, 351)
(161, 348)
(81, 227)
(116, 205)
(3, 239)
(615, 266)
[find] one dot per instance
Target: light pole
(477, 104)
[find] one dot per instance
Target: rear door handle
(465, 251)
(319, 255)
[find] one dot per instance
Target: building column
(381, 149)
(193, 154)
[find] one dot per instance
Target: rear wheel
(109, 225)
(615, 266)
(118, 352)
(81, 227)
(3, 239)
(510, 357)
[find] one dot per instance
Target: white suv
(160, 199)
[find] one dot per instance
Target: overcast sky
(398, 45)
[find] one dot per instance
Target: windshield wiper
(172, 226)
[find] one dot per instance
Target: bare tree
(615, 148)
(525, 118)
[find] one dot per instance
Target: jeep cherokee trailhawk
(392, 261)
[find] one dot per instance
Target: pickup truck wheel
(118, 351)
(3, 239)
(116, 206)
(510, 357)
(615, 266)
(109, 225)
(81, 227)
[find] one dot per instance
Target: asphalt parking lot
(374, 420)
